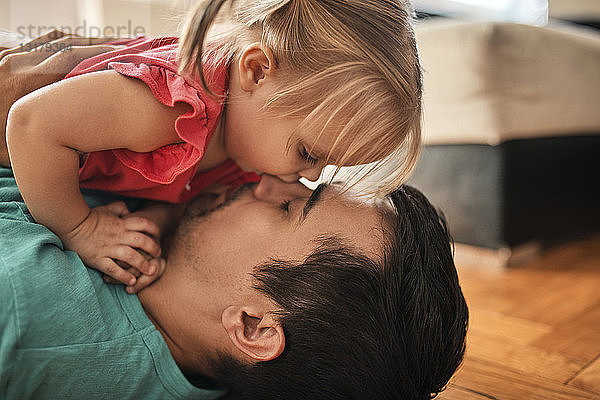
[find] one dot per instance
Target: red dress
(169, 172)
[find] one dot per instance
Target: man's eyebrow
(314, 198)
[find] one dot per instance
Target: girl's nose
(290, 178)
(271, 188)
(311, 174)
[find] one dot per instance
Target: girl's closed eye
(305, 155)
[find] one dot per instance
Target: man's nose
(271, 188)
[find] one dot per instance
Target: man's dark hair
(359, 329)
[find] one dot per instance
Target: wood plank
(554, 297)
(485, 289)
(589, 378)
(454, 392)
(558, 286)
(498, 382)
(582, 255)
(506, 327)
(526, 359)
(577, 338)
(535, 329)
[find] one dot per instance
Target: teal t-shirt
(64, 333)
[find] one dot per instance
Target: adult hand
(40, 62)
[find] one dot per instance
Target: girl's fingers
(133, 258)
(108, 279)
(142, 241)
(131, 270)
(118, 208)
(142, 282)
(145, 280)
(140, 224)
(111, 269)
(134, 271)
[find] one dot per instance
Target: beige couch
(511, 127)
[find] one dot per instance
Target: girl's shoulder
(158, 52)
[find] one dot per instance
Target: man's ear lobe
(256, 63)
(253, 332)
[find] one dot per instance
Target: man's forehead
(337, 192)
(361, 221)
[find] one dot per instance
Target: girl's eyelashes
(285, 205)
(305, 155)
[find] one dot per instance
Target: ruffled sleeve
(194, 128)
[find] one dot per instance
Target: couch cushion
(492, 82)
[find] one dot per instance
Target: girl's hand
(166, 216)
(143, 280)
(104, 237)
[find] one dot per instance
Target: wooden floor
(535, 328)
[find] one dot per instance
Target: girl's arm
(98, 111)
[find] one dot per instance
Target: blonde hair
(350, 65)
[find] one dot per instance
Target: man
(273, 292)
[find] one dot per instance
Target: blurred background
(95, 17)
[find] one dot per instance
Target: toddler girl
(281, 87)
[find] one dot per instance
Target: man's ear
(256, 63)
(254, 332)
